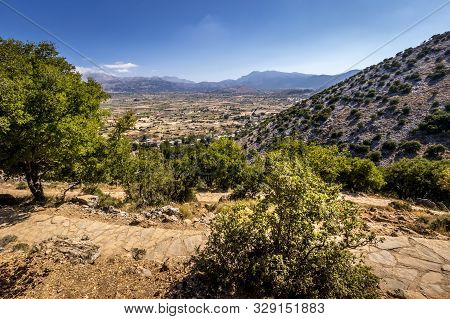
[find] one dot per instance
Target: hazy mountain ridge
(255, 81)
(406, 97)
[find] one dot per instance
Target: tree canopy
(50, 118)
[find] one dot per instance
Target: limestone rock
(88, 200)
(426, 203)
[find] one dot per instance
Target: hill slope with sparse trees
(396, 108)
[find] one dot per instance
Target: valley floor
(71, 251)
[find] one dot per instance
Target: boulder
(426, 203)
(88, 200)
(169, 219)
(224, 198)
(62, 249)
(165, 214)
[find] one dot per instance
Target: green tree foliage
(410, 147)
(222, 164)
(363, 176)
(375, 156)
(435, 151)
(49, 117)
(118, 150)
(419, 178)
(292, 244)
(436, 122)
(328, 162)
(252, 179)
(150, 180)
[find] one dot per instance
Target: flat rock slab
(408, 267)
(158, 243)
(411, 267)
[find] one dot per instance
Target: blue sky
(215, 40)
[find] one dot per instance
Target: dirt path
(159, 243)
(382, 202)
(407, 266)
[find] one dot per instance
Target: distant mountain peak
(254, 81)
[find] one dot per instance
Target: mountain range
(255, 81)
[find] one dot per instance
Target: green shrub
(355, 113)
(400, 205)
(360, 149)
(252, 179)
(363, 176)
(419, 178)
(435, 151)
(389, 145)
(327, 161)
(436, 122)
(222, 164)
(394, 101)
(292, 244)
(441, 224)
(440, 71)
(411, 147)
(399, 87)
(377, 137)
(106, 200)
(150, 181)
(375, 156)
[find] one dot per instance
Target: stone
(382, 257)
(420, 252)
(433, 291)
(165, 213)
(417, 263)
(138, 253)
(112, 210)
(391, 285)
(393, 243)
(440, 247)
(426, 203)
(407, 274)
(137, 219)
(144, 271)
(88, 200)
(5, 240)
(169, 219)
(63, 249)
(432, 278)
(446, 267)
(411, 294)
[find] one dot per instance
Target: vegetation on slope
(403, 98)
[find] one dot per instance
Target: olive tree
(50, 118)
(294, 243)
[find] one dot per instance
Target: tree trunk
(34, 181)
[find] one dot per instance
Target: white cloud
(86, 70)
(117, 67)
(120, 66)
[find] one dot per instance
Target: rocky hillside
(399, 107)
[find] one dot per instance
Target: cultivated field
(172, 116)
